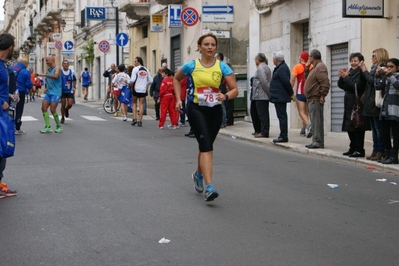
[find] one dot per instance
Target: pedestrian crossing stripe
(92, 118)
(28, 118)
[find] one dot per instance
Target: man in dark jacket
(24, 85)
(280, 93)
(109, 73)
(154, 90)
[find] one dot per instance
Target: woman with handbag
(371, 110)
(389, 115)
(353, 83)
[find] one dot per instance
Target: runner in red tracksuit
(167, 100)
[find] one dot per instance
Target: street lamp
(63, 24)
(116, 29)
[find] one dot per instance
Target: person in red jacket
(167, 100)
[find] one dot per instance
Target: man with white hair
(280, 93)
(317, 86)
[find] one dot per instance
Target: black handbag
(356, 116)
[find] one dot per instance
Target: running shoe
(124, 118)
(19, 132)
(210, 193)
(62, 120)
(174, 127)
(4, 188)
(139, 124)
(66, 112)
(115, 114)
(134, 122)
(58, 129)
(2, 195)
(46, 130)
(160, 127)
(182, 125)
(198, 182)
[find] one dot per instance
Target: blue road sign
(174, 12)
(218, 9)
(68, 45)
(122, 39)
(95, 13)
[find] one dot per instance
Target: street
(103, 192)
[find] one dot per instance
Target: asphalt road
(104, 193)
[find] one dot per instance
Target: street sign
(56, 36)
(221, 34)
(189, 16)
(68, 45)
(122, 39)
(217, 14)
(58, 45)
(95, 13)
(103, 46)
(157, 23)
(174, 12)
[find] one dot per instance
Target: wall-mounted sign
(363, 8)
(95, 13)
(174, 12)
(157, 23)
(217, 14)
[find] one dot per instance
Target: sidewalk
(335, 142)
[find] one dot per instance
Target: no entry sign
(189, 16)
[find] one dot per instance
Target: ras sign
(95, 13)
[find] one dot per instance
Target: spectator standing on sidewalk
(68, 89)
(260, 97)
(298, 76)
(7, 44)
(349, 81)
(317, 86)
(379, 56)
(204, 108)
(109, 73)
(280, 93)
(24, 87)
(53, 95)
(140, 79)
(154, 90)
(390, 109)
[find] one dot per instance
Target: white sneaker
(160, 127)
(124, 118)
(19, 132)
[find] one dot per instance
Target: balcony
(48, 16)
(136, 10)
(169, 2)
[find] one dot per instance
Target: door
(339, 59)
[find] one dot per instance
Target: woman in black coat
(348, 80)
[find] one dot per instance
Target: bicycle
(108, 105)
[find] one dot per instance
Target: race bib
(207, 96)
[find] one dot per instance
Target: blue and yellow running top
(205, 81)
(54, 86)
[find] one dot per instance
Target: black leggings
(205, 123)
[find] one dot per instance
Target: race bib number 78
(207, 96)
